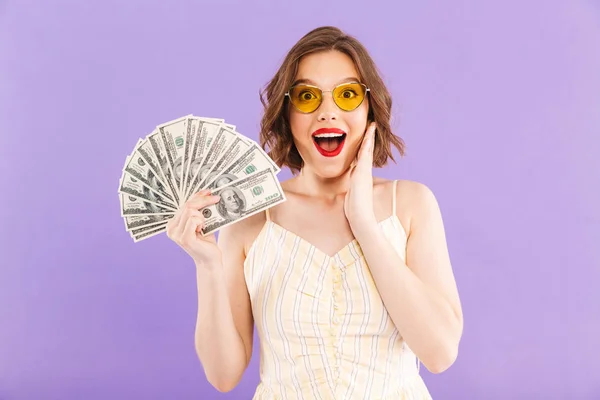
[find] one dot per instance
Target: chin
(331, 170)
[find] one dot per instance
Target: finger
(181, 232)
(367, 140)
(200, 193)
(193, 224)
(202, 202)
(201, 199)
(371, 137)
(365, 154)
(354, 162)
(173, 223)
(186, 215)
(196, 196)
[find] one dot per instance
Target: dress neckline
(348, 254)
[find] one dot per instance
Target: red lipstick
(329, 141)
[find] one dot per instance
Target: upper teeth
(324, 135)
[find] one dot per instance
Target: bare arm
(224, 325)
(223, 336)
(420, 295)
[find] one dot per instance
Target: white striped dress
(324, 331)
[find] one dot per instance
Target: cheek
(300, 125)
(357, 120)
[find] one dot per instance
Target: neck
(311, 184)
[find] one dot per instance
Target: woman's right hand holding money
(185, 230)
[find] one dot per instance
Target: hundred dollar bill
(238, 147)
(206, 133)
(187, 151)
(150, 181)
(136, 231)
(147, 152)
(191, 134)
(131, 205)
(254, 159)
(241, 199)
(224, 139)
(145, 234)
(128, 184)
(173, 134)
(137, 166)
(140, 221)
(160, 153)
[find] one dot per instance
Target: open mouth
(329, 142)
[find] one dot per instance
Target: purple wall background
(499, 104)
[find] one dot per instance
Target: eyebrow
(311, 82)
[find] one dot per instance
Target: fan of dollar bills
(188, 154)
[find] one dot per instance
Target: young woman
(348, 282)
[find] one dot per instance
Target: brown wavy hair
(275, 131)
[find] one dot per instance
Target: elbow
(442, 361)
(223, 378)
(224, 388)
(446, 356)
(223, 384)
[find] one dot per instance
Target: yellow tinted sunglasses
(307, 98)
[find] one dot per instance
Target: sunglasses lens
(349, 96)
(305, 98)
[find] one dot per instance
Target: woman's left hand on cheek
(358, 204)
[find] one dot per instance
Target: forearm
(218, 343)
(424, 318)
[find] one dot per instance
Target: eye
(348, 94)
(306, 95)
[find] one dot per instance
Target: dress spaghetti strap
(394, 197)
(267, 214)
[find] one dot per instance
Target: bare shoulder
(409, 191)
(243, 233)
(427, 253)
(414, 201)
(404, 187)
(427, 250)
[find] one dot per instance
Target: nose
(328, 110)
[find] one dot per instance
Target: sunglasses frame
(287, 94)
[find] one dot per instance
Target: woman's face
(327, 70)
